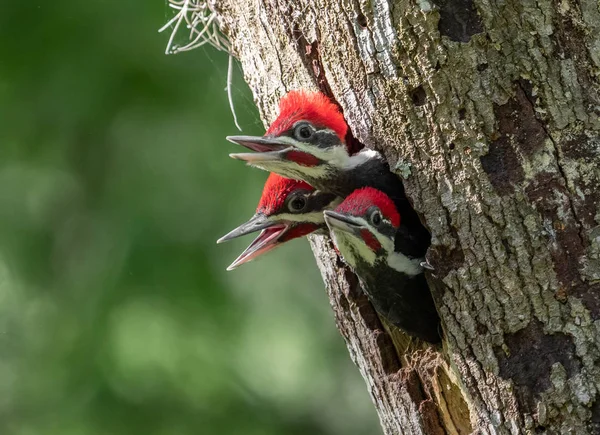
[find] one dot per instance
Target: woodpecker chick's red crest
(302, 143)
(287, 209)
(276, 190)
(359, 202)
(366, 230)
(302, 105)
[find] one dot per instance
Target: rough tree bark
(488, 109)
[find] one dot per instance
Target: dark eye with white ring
(375, 218)
(303, 132)
(297, 204)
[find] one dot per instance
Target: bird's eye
(375, 218)
(303, 132)
(297, 204)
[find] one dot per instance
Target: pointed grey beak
(267, 240)
(260, 144)
(267, 149)
(335, 220)
(257, 158)
(256, 223)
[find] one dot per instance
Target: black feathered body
(405, 301)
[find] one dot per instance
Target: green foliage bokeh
(116, 313)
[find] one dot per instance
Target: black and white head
(364, 227)
(288, 209)
(306, 141)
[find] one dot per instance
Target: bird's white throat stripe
(292, 169)
(403, 264)
(336, 155)
(399, 261)
(314, 217)
(362, 157)
(351, 247)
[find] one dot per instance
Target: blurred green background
(116, 313)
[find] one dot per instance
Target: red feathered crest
(309, 106)
(359, 201)
(276, 191)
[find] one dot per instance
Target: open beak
(270, 232)
(335, 220)
(267, 149)
(267, 240)
(256, 223)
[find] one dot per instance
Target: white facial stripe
(350, 247)
(315, 217)
(362, 157)
(361, 221)
(386, 242)
(335, 155)
(397, 260)
(292, 169)
(403, 264)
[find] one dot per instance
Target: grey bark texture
(488, 110)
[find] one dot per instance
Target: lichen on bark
(494, 108)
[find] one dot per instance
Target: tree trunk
(488, 110)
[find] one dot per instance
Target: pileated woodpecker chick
(307, 142)
(287, 209)
(365, 230)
